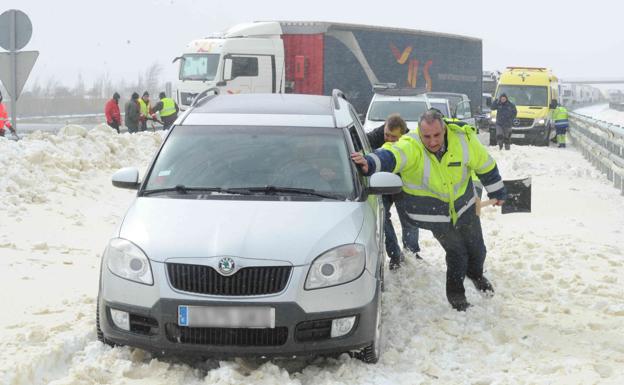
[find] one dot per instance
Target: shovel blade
(518, 196)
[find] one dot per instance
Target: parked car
(252, 233)
(409, 103)
(461, 107)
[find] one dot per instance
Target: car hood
(292, 232)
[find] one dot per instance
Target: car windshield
(243, 157)
(442, 107)
(409, 110)
(525, 95)
(199, 66)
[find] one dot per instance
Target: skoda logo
(226, 266)
(516, 122)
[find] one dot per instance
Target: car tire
(98, 331)
(371, 353)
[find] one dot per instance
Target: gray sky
(123, 37)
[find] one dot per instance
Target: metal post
(13, 54)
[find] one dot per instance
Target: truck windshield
(199, 66)
(525, 95)
(240, 157)
(409, 110)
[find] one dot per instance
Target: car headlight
(126, 260)
(541, 122)
(336, 266)
(493, 119)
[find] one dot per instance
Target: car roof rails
(336, 93)
(378, 87)
(203, 96)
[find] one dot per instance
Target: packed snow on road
(557, 316)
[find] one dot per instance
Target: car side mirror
(127, 177)
(384, 183)
(222, 83)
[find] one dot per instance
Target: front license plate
(519, 136)
(226, 316)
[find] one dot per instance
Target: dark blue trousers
(465, 252)
(410, 231)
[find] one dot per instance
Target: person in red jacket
(111, 110)
(4, 119)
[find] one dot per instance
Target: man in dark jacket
(505, 115)
(393, 128)
(133, 112)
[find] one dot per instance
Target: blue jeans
(410, 232)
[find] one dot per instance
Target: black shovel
(518, 197)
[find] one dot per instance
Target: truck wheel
(372, 352)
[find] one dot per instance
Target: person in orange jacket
(4, 119)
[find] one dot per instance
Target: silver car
(252, 233)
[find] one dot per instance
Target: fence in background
(602, 143)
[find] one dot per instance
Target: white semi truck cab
(246, 58)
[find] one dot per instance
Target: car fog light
(342, 326)
(121, 319)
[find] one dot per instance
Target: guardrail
(616, 106)
(602, 143)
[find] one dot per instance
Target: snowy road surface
(557, 316)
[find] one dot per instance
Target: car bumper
(296, 332)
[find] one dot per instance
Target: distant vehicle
(483, 119)
(490, 80)
(306, 57)
(405, 102)
(535, 92)
(461, 107)
(253, 233)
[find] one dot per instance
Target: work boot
(395, 263)
(507, 146)
(483, 285)
(459, 302)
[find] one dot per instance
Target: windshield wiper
(292, 190)
(181, 189)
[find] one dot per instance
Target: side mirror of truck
(227, 69)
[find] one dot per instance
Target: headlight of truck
(493, 119)
(126, 260)
(336, 266)
(541, 122)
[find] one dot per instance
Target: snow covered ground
(557, 316)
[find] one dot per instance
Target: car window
(409, 110)
(240, 157)
(442, 107)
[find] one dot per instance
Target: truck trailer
(317, 57)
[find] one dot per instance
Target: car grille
(247, 281)
(186, 98)
(313, 330)
(523, 122)
(224, 336)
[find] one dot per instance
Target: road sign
(24, 62)
(15, 30)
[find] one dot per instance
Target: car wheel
(372, 352)
(98, 331)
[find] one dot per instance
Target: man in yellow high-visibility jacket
(167, 109)
(435, 165)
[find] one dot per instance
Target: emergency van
(535, 92)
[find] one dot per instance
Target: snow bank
(44, 162)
